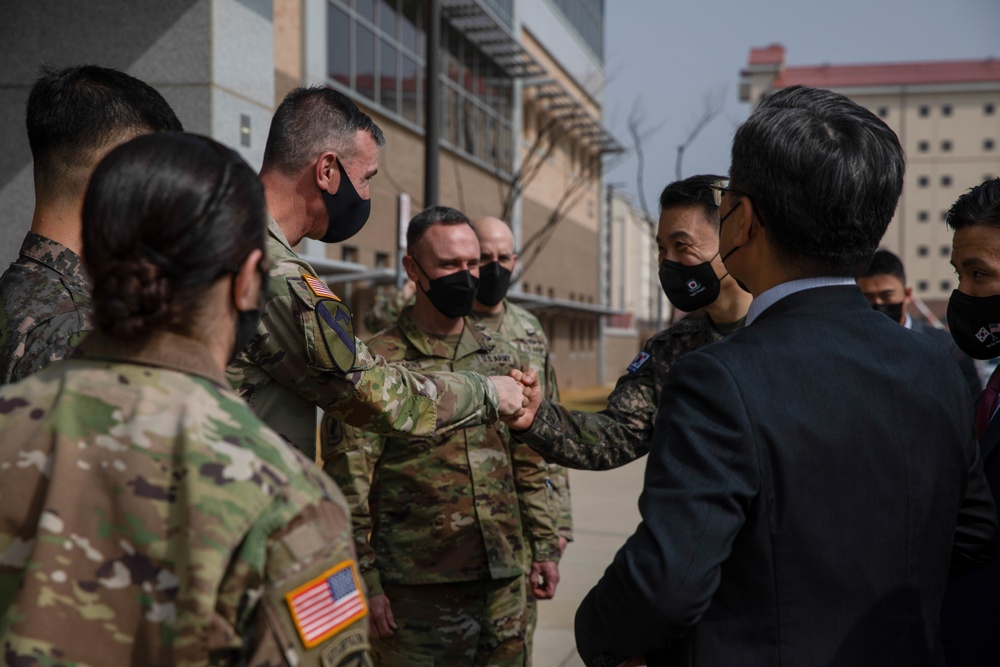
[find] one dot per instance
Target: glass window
(364, 62)
(381, 260)
(883, 112)
(388, 95)
(987, 144)
(410, 24)
(945, 285)
(339, 45)
(946, 110)
(410, 84)
(924, 110)
(923, 182)
(922, 216)
(922, 285)
(387, 17)
(922, 251)
(946, 146)
(945, 181)
(988, 109)
(923, 146)
(944, 215)
(349, 253)
(365, 8)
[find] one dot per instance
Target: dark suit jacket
(807, 480)
(970, 614)
(964, 361)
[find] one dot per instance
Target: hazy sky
(670, 54)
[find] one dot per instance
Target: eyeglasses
(722, 185)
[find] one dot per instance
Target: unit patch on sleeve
(639, 361)
(336, 326)
(326, 604)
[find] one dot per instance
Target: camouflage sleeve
(53, 341)
(537, 503)
(311, 548)
(349, 458)
(617, 435)
(558, 475)
(306, 343)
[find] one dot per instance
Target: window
(988, 144)
(924, 111)
(945, 181)
(883, 112)
(944, 215)
(922, 285)
(946, 146)
(381, 260)
(945, 285)
(349, 253)
(923, 146)
(526, 287)
(552, 292)
(922, 251)
(945, 252)
(923, 182)
(923, 216)
(988, 109)
(946, 110)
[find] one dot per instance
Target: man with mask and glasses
(445, 526)
(970, 615)
(695, 280)
(813, 477)
(320, 157)
(884, 285)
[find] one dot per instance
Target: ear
(907, 295)
(412, 272)
(745, 229)
(246, 290)
(513, 265)
(327, 172)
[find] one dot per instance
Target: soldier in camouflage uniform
(439, 527)
(74, 117)
(321, 154)
(147, 517)
(688, 243)
(497, 261)
(387, 306)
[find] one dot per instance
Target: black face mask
(974, 322)
(494, 281)
(247, 320)
(730, 253)
(893, 310)
(452, 294)
(346, 211)
(689, 288)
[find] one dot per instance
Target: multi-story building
(521, 136)
(947, 117)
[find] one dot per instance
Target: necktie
(988, 401)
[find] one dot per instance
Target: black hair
(825, 175)
(310, 121)
(166, 215)
(434, 215)
(885, 263)
(692, 191)
(979, 205)
(75, 110)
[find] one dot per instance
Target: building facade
(521, 133)
(947, 117)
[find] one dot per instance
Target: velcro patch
(322, 606)
(336, 326)
(639, 361)
(319, 288)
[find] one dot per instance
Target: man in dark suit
(813, 477)
(884, 285)
(970, 615)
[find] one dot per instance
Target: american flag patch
(326, 604)
(319, 287)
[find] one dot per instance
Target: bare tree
(713, 103)
(639, 136)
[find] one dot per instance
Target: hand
(533, 399)
(563, 543)
(512, 397)
(381, 622)
(543, 579)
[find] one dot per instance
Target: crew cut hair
(434, 215)
(73, 111)
(693, 191)
(980, 205)
(885, 263)
(825, 175)
(311, 121)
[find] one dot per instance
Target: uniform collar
(472, 339)
(274, 231)
(163, 349)
(57, 257)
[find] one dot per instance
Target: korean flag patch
(639, 361)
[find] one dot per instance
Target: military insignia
(336, 325)
(639, 361)
(319, 288)
(347, 650)
(322, 606)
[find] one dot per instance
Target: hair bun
(135, 295)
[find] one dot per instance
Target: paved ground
(604, 515)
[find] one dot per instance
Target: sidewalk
(605, 514)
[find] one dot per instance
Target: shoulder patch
(336, 326)
(319, 288)
(639, 361)
(322, 606)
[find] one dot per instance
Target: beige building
(947, 117)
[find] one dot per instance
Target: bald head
(495, 238)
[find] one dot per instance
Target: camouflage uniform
(385, 309)
(147, 517)
(45, 307)
(523, 330)
(620, 433)
(438, 520)
(304, 355)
